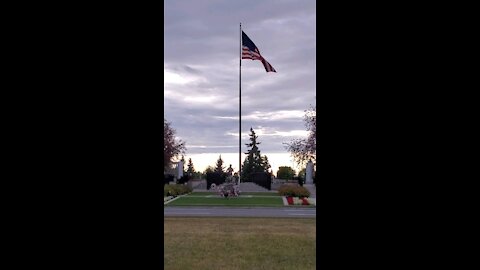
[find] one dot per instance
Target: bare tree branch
(172, 147)
(302, 150)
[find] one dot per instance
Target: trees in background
(172, 147)
(219, 168)
(266, 165)
(302, 172)
(303, 150)
(285, 172)
(190, 169)
(254, 161)
(209, 169)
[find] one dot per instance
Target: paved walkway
(200, 211)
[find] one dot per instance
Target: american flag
(250, 51)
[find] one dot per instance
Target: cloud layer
(201, 69)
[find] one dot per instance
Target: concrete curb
(285, 202)
(169, 201)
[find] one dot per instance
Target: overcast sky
(201, 66)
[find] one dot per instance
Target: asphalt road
(200, 211)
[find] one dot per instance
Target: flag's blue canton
(246, 41)
(250, 51)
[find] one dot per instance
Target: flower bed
(300, 201)
(226, 190)
(293, 191)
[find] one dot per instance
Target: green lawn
(239, 243)
(203, 193)
(219, 201)
(260, 193)
(242, 193)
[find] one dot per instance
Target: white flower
(297, 201)
(312, 201)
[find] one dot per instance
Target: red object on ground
(290, 200)
(305, 201)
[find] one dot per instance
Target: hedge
(293, 191)
(175, 190)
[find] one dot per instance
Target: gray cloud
(202, 71)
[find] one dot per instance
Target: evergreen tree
(254, 162)
(265, 164)
(219, 167)
(209, 169)
(190, 170)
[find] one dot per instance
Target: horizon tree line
(302, 150)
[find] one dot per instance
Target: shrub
(175, 190)
(301, 192)
(184, 179)
(169, 190)
(165, 190)
(183, 189)
(294, 191)
(286, 190)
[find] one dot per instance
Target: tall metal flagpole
(240, 112)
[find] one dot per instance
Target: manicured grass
(260, 193)
(203, 193)
(239, 243)
(219, 201)
(242, 193)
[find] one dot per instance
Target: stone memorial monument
(180, 169)
(309, 173)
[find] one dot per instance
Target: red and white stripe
(248, 54)
(267, 66)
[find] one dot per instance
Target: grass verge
(243, 193)
(239, 243)
(219, 201)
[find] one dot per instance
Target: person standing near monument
(230, 170)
